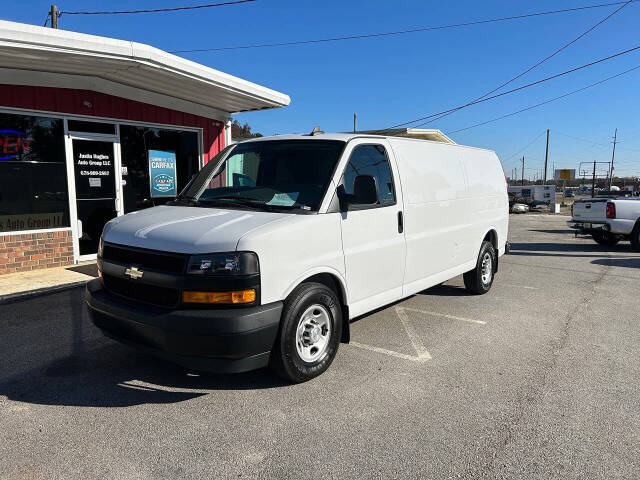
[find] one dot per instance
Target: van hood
(186, 229)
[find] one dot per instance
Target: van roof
(346, 137)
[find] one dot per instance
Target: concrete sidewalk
(25, 284)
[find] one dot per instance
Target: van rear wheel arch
(492, 237)
(479, 280)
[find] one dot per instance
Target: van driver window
(371, 160)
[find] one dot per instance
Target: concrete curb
(19, 296)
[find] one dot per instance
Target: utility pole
(613, 155)
(546, 159)
(522, 183)
(593, 181)
(355, 121)
(54, 13)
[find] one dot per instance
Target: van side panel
(292, 250)
(487, 198)
(446, 214)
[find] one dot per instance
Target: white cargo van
(278, 242)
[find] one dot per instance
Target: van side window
(371, 160)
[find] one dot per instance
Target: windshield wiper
(245, 201)
(190, 201)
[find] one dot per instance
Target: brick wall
(24, 252)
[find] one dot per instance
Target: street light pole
(613, 155)
(546, 159)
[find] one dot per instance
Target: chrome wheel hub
(313, 333)
(487, 268)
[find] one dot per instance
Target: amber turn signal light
(235, 297)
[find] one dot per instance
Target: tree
(242, 131)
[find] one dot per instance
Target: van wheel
(309, 334)
(605, 238)
(479, 280)
(635, 237)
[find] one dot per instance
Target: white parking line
(422, 354)
(391, 353)
(413, 336)
(518, 286)
(444, 315)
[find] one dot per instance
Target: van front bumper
(223, 341)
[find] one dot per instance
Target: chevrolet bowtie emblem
(134, 273)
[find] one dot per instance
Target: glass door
(97, 191)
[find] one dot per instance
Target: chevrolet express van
(270, 251)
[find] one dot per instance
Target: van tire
(605, 239)
(298, 315)
(478, 281)
(635, 237)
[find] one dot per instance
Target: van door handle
(400, 223)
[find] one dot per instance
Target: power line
(524, 148)
(596, 143)
(545, 102)
(401, 32)
(157, 10)
(536, 65)
(517, 89)
(522, 87)
(581, 139)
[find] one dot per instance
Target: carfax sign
(162, 173)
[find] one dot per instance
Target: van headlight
(233, 263)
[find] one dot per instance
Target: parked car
(608, 220)
(278, 242)
(519, 208)
(569, 194)
(538, 205)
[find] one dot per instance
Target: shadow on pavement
(565, 255)
(560, 232)
(566, 247)
(51, 354)
(619, 262)
(445, 291)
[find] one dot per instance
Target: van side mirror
(365, 190)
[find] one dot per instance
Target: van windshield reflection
(270, 175)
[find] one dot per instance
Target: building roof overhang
(30, 55)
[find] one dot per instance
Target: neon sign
(13, 143)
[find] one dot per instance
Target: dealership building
(94, 127)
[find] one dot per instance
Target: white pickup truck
(608, 220)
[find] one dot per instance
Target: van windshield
(272, 175)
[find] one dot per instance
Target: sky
(393, 79)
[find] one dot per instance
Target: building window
(136, 143)
(33, 173)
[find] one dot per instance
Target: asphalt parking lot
(537, 379)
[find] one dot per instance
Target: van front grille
(146, 259)
(142, 292)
